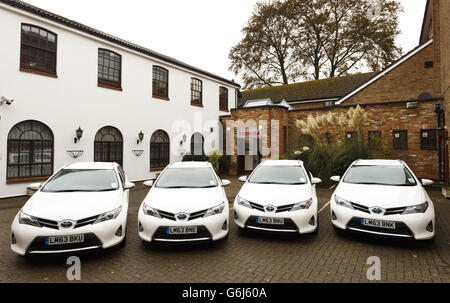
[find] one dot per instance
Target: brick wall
(386, 118)
(406, 82)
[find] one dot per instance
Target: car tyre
(316, 232)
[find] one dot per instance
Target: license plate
(378, 223)
(181, 230)
(266, 220)
(59, 240)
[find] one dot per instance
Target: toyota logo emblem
(182, 216)
(270, 208)
(66, 224)
(377, 210)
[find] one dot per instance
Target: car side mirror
(129, 185)
(225, 182)
(148, 183)
(316, 180)
(335, 178)
(242, 178)
(34, 186)
(426, 182)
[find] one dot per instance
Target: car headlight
(108, 215)
(29, 220)
(215, 210)
(243, 202)
(416, 209)
(343, 202)
(302, 205)
(150, 211)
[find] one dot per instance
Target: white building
(63, 75)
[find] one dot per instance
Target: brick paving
(244, 257)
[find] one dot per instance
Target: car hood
(187, 200)
(71, 205)
(381, 195)
(275, 194)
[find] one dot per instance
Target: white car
(186, 203)
(278, 196)
(383, 197)
(82, 206)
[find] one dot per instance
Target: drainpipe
(439, 110)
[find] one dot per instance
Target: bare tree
(264, 56)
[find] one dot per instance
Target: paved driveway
(248, 257)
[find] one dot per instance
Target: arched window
(38, 49)
(108, 145)
(30, 150)
(160, 82)
(197, 142)
(159, 149)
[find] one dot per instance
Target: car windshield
(187, 178)
(70, 180)
(278, 175)
(395, 175)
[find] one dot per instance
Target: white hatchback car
(186, 203)
(82, 206)
(383, 197)
(278, 196)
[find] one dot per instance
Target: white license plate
(266, 220)
(378, 223)
(181, 230)
(59, 240)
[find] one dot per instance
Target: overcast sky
(198, 32)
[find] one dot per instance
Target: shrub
(189, 157)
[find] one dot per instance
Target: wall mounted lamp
(79, 134)
(140, 137)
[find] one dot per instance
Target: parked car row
(84, 206)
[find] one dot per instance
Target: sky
(197, 32)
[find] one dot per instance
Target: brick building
(408, 100)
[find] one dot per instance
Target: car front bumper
(407, 226)
(153, 229)
(31, 240)
(298, 221)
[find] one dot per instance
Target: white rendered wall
(73, 99)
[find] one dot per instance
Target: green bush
(189, 157)
(329, 160)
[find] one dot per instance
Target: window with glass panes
(428, 139)
(109, 68)
(38, 49)
(196, 91)
(223, 98)
(159, 149)
(400, 139)
(160, 82)
(30, 151)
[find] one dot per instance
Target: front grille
(400, 228)
(86, 221)
(280, 209)
(288, 224)
(389, 211)
(360, 207)
(48, 223)
(257, 206)
(38, 244)
(79, 223)
(394, 211)
(166, 215)
(202, 232)
(192, 216)
(284, 208)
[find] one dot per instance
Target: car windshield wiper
(188, 186)
(81, 190)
